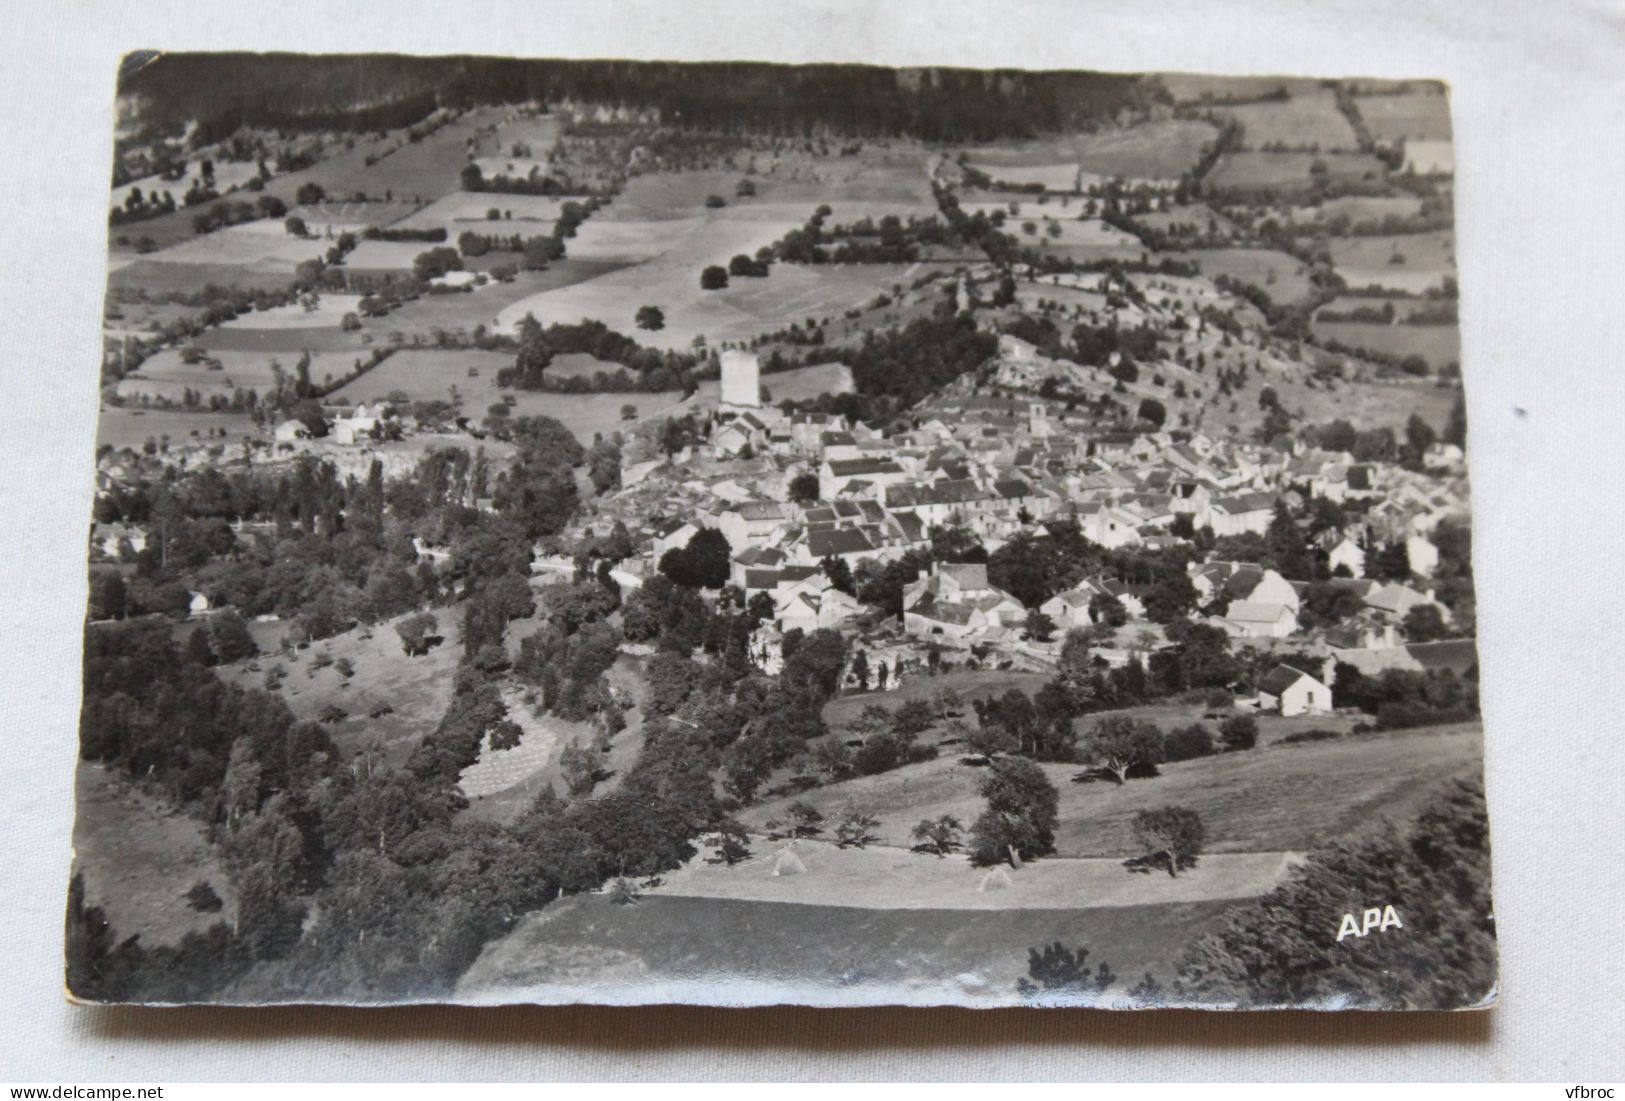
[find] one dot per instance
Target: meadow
(1284, 278)
(1359, 208)
(1160, 150)
(893, 877)
(1255, 170)
(165, 374)
(1412, 263)
(429, 375)
(1307, 119)
(130, 427)
(139, 857)
(1406, 116)
(1437, 344)
(1276, 798)
(465, 210)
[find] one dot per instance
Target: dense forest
(223, 92)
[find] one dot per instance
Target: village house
(752, 523)
(1237, 581)
(1349, 555)
(1291, 692)
(1247, 512)
(834, 474)
(957, 601)
(1259, 619)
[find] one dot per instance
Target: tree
(1435, 873)
(1419, 436)
(198, 648)
(415, 632)
(856, 828)
(1425, 623)
(309, 194)
(805, 818)
(839, 574)
(1169, 834)
(938, 835)
(579, 767)
(859, 671)
(732, 842)
(715, 201)
(1106, 608)
(295, 226)
(704, 563)
(1288, 551)
(713, 278)
(1239, 732)
(652, 318)
(1455, 429)
(804, 488)
(911, 720)
(1039, 626)
(1392, 562)
(988, 740)
(1059, 976)
(1119, 745)
(229, 636)
(1153, 411)
(745, 188)
(1021, 815)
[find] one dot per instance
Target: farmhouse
(1260, 619)
(1241, 514)
(1347, 554)
(1293, 692)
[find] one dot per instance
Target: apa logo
(1380, 918)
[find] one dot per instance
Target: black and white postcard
(626, 532)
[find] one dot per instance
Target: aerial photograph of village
(625, 532)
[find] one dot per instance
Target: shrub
(1240, 732)
(1187, 743)
(1316, 735)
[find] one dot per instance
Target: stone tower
(741, 380)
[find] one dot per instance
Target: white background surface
(1541, 160)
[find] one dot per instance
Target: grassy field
(1284, 278)
(128, 427)
(402, 171)
(1160, 150)
(1052, 177)
(1309, 118)
(1260, 170)
(1199, 215)
(264, 243)
(840, 711)
(164, 374)
(429, 374)
(1200, 87)
(1272, 799)
(416, 689)
(1359, 208)
(140, 858)
(159, 277)
(465, 210)
(1438, 344)
(745, 308)
(890, 877)
(1413, 262)
(664, 949)
(1417, 115)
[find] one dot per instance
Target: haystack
(787, 863)
(995, 880)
